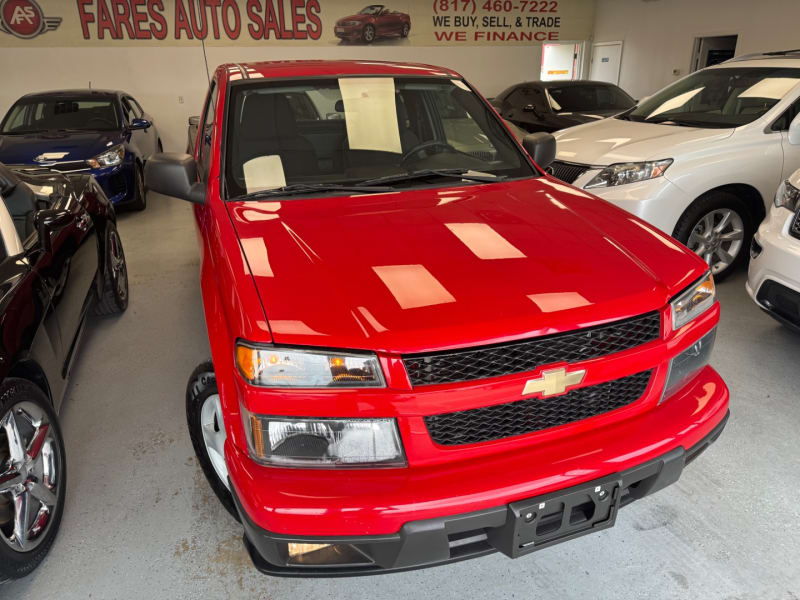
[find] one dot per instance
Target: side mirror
(140, 124)
(194, 121)
(174, 174)
(794, 131)
(541, 147)
(49, 220)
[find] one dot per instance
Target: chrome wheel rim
(119, 269)
(405, 30)
(369, 34)
(214, 435)
(718, 238)
(30, 465)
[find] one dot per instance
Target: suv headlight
(622, 173)
(301, 442)
(787, 196)
(109, 158)
(273, 366)
(694, 301)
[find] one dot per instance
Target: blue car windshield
(61, 113)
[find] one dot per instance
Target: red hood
(446, 267)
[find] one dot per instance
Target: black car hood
(51, 146)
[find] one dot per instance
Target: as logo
(24, 19)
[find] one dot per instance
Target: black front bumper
(515, 529)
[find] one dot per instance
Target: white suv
(774, 278)
(700, 159)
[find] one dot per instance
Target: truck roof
(315, 68)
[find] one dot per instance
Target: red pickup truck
(424, 347)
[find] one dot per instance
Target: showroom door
(606, 60)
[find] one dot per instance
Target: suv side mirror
(794, 131)
(541, 147)
(174, 174)
(140, 124)
(47, 221)
(194, 121)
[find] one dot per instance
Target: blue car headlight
(110, 158)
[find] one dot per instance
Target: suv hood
(439, 268)
(22, 149)
(615, 140)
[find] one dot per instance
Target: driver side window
(782, 123)
(128, 111)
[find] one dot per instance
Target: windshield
(42, 114)
(354, 129)
(373, 9)
(721, 97)
(583, 98)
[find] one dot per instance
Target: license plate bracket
(550, 519)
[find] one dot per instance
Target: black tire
(203, 384)
(404, 31)
(116, 293)
(160, 146)
(368, 34)
(15, 564)
(708, 203)
(139, 200)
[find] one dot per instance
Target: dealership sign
(300, 22)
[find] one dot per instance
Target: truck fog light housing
(688, 363)
(299, 442)
(319, 555)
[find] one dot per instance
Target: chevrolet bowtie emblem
(553, 382)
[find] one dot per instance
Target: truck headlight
(688, 363)
(301, 442)
(693, 301)
(622, 173)
(787, 196)
(274, 366)
(109, 158)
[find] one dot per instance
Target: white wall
(157, 76)
(658, 35)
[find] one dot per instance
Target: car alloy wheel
(718, 238)
(404, 33)
(369, 34)
(119, 267)
(30, 469)
(214, 436)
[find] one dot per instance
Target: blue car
(104, 133)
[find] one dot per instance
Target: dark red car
(425, 348)
(372, 22)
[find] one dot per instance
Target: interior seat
(269, 128)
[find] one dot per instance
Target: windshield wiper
(424, 173)
(304, 188)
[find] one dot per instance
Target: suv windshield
(62, 112)
(351, 130)
(721, 97)
(582, 98)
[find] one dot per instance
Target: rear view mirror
(174, 174)
(140, 124)
(794, 131)
(530, 108)
(49, 220)
(541, 147)
(194, 120)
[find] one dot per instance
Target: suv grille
(527, 355)
(567, 172)
(534, 414)
(794, 229)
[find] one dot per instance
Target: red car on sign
(372, 22)
(424, 347)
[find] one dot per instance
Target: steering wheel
(101, 121)
(429, 144)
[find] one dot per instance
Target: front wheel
(115, 278)
(369, 34)
(139, 200)
(718, 227)
(405, 30)
(207, 431)
(33, 477)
